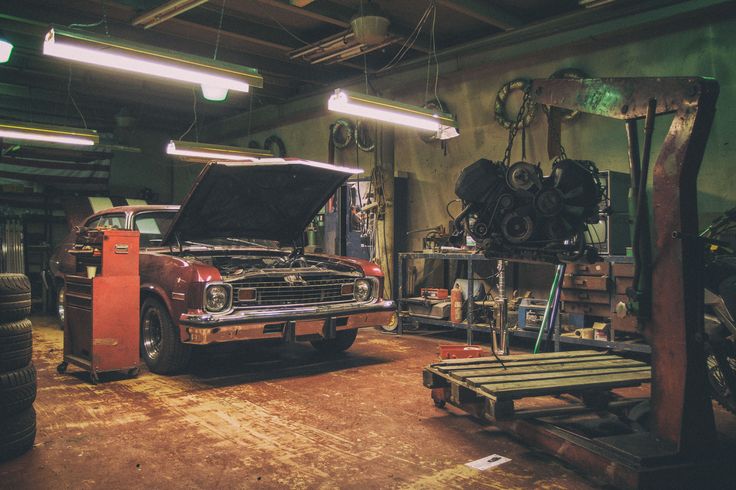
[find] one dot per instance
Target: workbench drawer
(595, 283)
(591, 309)
(626, 324)
(621, 269)
(597, 269)
(585, 296)
(623, 283)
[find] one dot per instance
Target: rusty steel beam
(167, 11)
(486, 12)
(278, 4)
(682, 411)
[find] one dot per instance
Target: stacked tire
(17, 373)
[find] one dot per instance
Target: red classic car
(227, 266)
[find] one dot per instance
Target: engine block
(517, 212)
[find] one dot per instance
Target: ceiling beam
(164, 12)
(169, 35)
(486, 12)
(305, 12)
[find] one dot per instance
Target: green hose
(552, 294)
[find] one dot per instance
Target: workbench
(471, 326)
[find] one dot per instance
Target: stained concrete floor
(273, 417)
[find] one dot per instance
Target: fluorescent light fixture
(216, 94)
(204, 152)
(380, 109)
(48, 134)
(165, 12)
(138, 58)
(6, 47)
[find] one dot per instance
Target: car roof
(137, 209)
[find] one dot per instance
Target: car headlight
(362, 290)
(217, 297)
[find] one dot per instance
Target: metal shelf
(469, 326)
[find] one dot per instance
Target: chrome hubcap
(152, 334)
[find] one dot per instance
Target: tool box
(102, 302)
(531, 313)
(434, 293)
(429, 308)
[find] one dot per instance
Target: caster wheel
(61, 368)
(440, 403)
(133, 372)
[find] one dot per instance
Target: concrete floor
(269, 418)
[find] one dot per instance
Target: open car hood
(270, 199)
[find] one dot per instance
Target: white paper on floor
(488, 462)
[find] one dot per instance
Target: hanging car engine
(516, 212)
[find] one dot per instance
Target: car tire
(16, 345)
(15, 297)
(342, 342)
(161, 349)
(17, 434)
(17, 390)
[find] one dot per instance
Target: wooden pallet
(483, 387)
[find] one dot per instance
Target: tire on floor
(15, 345)
(17, 434)
(17, 390)
(342, 342)
(15, 297)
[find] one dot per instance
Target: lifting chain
(500, 104)
(525, 108)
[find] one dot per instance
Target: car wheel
(60, 308)
(15, 297)
(342, 342)
(17, 433)
(161, 349)
(16, 345)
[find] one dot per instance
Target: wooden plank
(523, 357)
(589, 367)
(540, 362)
(556, 386)
(564, 375)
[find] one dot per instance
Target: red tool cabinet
(102, 320)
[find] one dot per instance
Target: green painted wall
(703, 50)
(131, 172)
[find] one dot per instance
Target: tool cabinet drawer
(597, 269)
(622, 284)
(587, 308)
(585, 296)
(595, 283)
(623, 269)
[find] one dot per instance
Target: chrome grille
(275, 291)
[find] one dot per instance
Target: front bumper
(303, 323)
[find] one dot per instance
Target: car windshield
(152, 226)
(236, 242)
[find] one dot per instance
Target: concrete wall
(702, 47)
(698, 50)
(130, 173)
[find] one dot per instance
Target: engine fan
(517, 212)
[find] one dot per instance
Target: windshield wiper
(246, 242)
(206, 245)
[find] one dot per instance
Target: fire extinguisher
(456, 304)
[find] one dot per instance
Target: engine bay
(235, 267)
